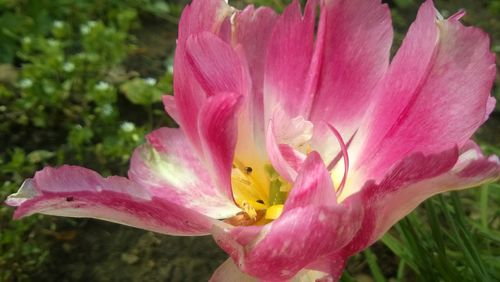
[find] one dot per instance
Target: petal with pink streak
(169, 167)
(79, 192)
(251, 35)
(287, 62)
(200, 16)
(218, 131)
(412, 181)
(170, 107)
(311, 223)
(440, 80)
(313, 186)
(354, 42)
(277, 253)
(215, 65)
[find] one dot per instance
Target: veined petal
(250, 39)
(170, 107)
(217, 125)
(201, 16)
(354, 41)
(313, 186)
(215, 64)
(169, 167)
(440, 80)
(79, 192)
(277, 251)
(412, 181)
(288, 58)
(251, 34)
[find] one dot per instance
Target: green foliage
(71, 91)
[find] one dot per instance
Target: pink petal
(169, 167)
(285, 136)
(277, 252)
(218, 132)
(215, 64)
(440, 80)
(228, 271)
(313, 186)
(354, 41)
(251, 34)
(288, 58)
(200, 16)
(170, 107)
(80, 192)
(412, 181)
(312, 223)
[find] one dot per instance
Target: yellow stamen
(273, 212)
(249, 210)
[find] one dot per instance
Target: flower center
(259, 191)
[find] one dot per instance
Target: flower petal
(251, 33)
(170, 107)
(313, 186)
(354, 41)
(440, 80)
(200, 16)
(169, 167)
(277, 251)
(228, 271)
(80, 192)
(218, 132)
(412, 181)
(288, 58)
(215, 64)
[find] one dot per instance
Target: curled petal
(218, 132)
(170, 169)
(79, 192)
(412, 181)
(277, 251)
(440, 80)
(313, 186)
(205, 16)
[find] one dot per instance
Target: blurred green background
(81, 82)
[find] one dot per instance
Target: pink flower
(297, 147)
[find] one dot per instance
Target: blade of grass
(464, 242)
(371, 259)
(483, 206)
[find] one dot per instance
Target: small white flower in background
(85, 29)
(150, 81)
(58, 24)
(128, 126)
(25, 83)
(53, 43)
(107, 110)
(102, 86)
(69, 67)
(27, 40)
